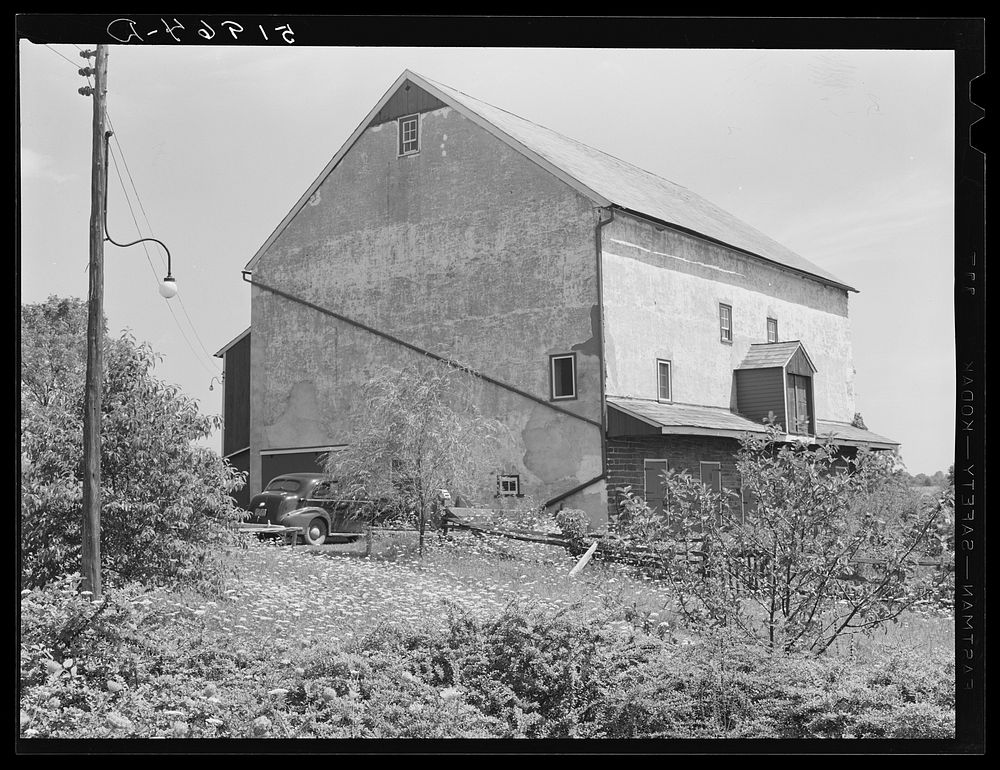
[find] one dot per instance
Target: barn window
(409, 135)
(563, 376)
(663, 380)
(772, 329)
(711, 475)
(653, 471)
(725, 323)
(509, 485)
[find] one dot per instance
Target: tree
(419, 430)
(810, 554)
(166, 506)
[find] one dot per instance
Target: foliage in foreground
(136, 667)
(165, 501)
(811, 554)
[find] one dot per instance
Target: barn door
(798, 404)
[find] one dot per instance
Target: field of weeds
(481, 638)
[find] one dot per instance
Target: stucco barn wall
(662, 290)
(466, 249)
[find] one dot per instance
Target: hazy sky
(846, 157)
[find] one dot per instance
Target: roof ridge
(564, 136)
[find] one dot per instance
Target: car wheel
(315, 533)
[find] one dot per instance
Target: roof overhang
(222, 351)
(728, 424)
(302, 449)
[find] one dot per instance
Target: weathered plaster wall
(466, 249)
(662, 290)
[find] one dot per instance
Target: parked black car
(307, 501)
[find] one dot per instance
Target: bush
(144, 664)
(810, 554)
(166, 508)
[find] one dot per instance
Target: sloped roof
(768, 355)
(708, 420)
(636, 189)
(222, 351)
(845, 431)
(603, 178)
(685, 415)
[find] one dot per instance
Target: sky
(844, 156)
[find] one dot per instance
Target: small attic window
(409, 135)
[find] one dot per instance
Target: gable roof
(768, 355)
(603, 178)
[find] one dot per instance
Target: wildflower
(329, 694)
(278, 692)
(450, 693)
(210, 690)
(52, 667)
(180, 729)
(119, 722)
(114, 686)
(261, 725)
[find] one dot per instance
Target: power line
(138, 198)
(149, 227)
(153, 269)
(73, 63)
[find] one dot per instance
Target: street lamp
(168, 286)
(90, 551)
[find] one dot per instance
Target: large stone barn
(620, 322)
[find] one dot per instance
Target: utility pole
(91, 544)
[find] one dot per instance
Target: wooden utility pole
(91, 544)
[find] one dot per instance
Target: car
(307, 501)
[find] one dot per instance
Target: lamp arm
(107, 235)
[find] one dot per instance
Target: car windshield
(283, 485)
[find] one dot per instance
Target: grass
(332, 592)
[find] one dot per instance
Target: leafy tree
(419, 430)
(809, 554)
(53, 349)
(165, 500)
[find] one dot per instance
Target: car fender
(301, 517)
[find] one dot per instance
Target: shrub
(419, 430)
(813, 555)
(166, 507)
(143, 664)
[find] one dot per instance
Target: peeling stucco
(299, 421)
